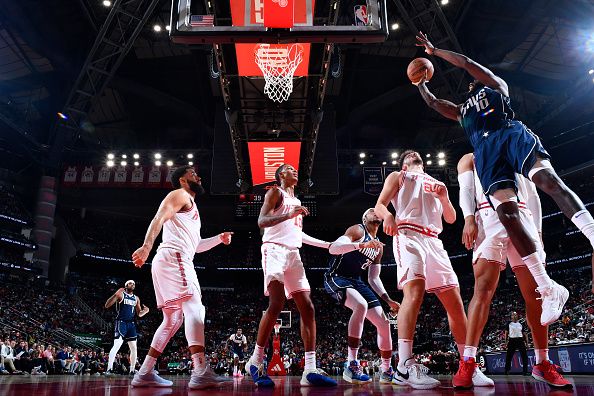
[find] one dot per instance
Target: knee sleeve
(172, 321)
(355, 301)
(194, 313)
(117, 344)
(382, 324)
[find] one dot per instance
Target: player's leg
(117, 344)
(509, 354)
(378, 318)
(358, 305)
(133, 355)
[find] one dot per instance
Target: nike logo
(405, 376)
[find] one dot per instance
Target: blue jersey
(353, 264)
(126, 307)
(486, 110)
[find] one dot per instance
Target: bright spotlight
(429, 162)
(65, 117)
(136, 156)
(394, 155)
(361, 155)
(190, 156)
(361, 162)
(384, 163)
(110, 163)
(395, 26)
(157, 28)
(441, 154)
(168, 28)
(441, 162)
(169, 163)
(157, 163)
(394, 162)
(107, 3)
(136, 163)
(157, 155)
(110, 156)
(190, 163)
(124, 163)
(428, 155)
(591, 71)
(124, 156)
(444, 2)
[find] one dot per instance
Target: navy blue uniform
(345, 272)
(237, 345)
(503, 146)
(124, 325)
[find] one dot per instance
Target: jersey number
(299, 221)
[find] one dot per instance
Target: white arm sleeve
(309, 240)
(533, 203)
(343, 245)
(374, 280)
(208, 243)
(467, 193)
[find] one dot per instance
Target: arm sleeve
(533, 204)
(374, 279)
(309, 240)
(343, 245)
(467, 193)
(208, 243)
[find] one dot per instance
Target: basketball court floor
(120, 386)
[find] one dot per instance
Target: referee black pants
(513, 345)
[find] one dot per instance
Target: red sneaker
(463, 378)
(547, 372)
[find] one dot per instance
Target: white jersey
(289, 232)
(182, 232)
(415, 204)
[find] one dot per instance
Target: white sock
(234, 370)
(199, 361)
(385, 366)
(310, 361)
(585, 223)
(469, 352)
(147, 365)
(537, 269)
(460, 349)
(541, 355)
(258, 356)
(404, 352)
(353, 352)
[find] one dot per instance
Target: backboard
(284, 319)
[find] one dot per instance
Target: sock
(310, 361)
(234, 370)
(147, 365)
(537, 269)
(258, 356)
(199, 361)
(353, 354)
(404, 352)
(585, 223)
(385, 366)
(469, 352)
(460, 349)
(541, 355)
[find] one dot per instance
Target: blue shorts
(503, 153)
(238, 353)
(125, 330)
(336, 286)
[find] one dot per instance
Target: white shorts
(174, 278)
(420, 256)
(283, 264)
(493, 244)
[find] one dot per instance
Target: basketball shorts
(337, 286)
(420, 256)
(238, 353)
(174, 278)
(125, 330)
(503, 153)
(493, 244)
(283, 264)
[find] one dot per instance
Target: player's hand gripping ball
(419, 70)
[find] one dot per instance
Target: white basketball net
(278, 66)
(277, 327)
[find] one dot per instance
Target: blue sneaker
(150, 379)
(316, 377)
(353, 374)
(261, 379)
(387, 376)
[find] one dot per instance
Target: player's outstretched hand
(371, 244)
(469, 233)
(141, 255)
(394, 307)
(297, 210)
(226, 237)
(390, 227)
(423, 41)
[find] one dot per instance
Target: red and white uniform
(280, 250)
(418, 251)
(492, 242)
(174, 276)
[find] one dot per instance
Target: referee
(516, 339)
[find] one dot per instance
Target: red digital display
(266, 157)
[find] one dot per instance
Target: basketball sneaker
(547, 372)
(110, 373)
(207, 379)
(150, 379)
(353, 374)
(480, 379)
(415, 376)
(553, 299)
(261, 379)
(386, 376)
(463, 377)
(316, 377)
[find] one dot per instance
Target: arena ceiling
(163, 95)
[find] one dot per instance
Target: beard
(375, 222)
(196, 188)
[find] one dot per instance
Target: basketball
(416, 69)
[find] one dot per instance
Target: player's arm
(467, 199)
(141, 311)
(173, 203)
(309, 240)
(346, 243)
(208, 243)
(442, 106)
(271, 200)
(449, 212)
(373, 277)
(389, 190)
(116, 297)
(475, 69)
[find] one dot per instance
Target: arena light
(591, 71)
(157, 163)
(441, 154)
(444, 2)
(157, 28)
(361, 155)
(190, 156)
(65, 117)
(107, 3)
(136, 163)
(395, 26)
(157, 155)
(124, 156)
(384, 163)
(168, 28)
(428, 155)
(110, 163)
(394, 154)
(124, 163)
(190, 163)
(394, 162)
(136, 156)
(441, 162)
(361, 162)
(429, 162)
(169, 163)
(110, 156)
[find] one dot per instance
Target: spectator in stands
(8, 356)
(48, 357)
(23, 357)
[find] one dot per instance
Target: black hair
(404, 155)
(177, 174)
(278, 172)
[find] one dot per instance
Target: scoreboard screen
(248, 205)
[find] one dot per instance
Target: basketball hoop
(278, 65)
(277, 327)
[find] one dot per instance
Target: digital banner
(266, 157)
(88, 338)
(573, 359)
(88, 176)
(373, 180)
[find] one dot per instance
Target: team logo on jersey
(479, 101)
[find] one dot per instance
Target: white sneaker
(151, 379)
(416, 377)
(480, 379)
(553, 299)
(207, 379)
